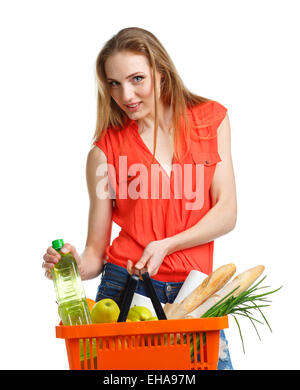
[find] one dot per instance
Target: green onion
(242, 305)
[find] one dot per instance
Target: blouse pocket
(127, 179)
(205, 163)
(126, 190)
(208, 159)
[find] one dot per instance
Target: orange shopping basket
(185, 344)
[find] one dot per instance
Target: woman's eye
(138, 77)
(112, 83)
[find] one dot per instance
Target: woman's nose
(127, 94)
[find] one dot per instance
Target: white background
(243, 54)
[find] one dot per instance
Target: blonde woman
(160, 167)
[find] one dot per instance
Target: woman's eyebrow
(133, 74)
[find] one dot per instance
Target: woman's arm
(100, 218)
(221, 218)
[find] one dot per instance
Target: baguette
(242, 282)
(200, 310)
(214, 282)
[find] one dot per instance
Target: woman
(160, 168)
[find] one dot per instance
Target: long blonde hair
(173, 91)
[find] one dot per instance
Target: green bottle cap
(57, 244)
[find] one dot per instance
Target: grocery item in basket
(105, 310)
(214, 282)
(70, 294)
(141, 300)
(243, 281)
(238, 285)
(90, 303)
(193, 280)
(139, 313)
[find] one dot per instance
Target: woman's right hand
(52, 257)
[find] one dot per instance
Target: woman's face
(130, 81)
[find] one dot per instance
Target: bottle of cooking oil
(73, 307)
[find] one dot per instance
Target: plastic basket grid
(187, 344)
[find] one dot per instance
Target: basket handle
(128, 295)
(154, 298)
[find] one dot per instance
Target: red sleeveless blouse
(150, 205)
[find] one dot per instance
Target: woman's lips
(132, 109)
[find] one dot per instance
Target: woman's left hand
(152, 257)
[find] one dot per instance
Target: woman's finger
(142, 262)
(48, 274)
(68, 248)
(52, 252)
(129, 267)
(47, 266)
(51, 259)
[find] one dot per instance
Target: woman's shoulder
(113, 134)
(114, 140)
(205, 119)
(208, 112)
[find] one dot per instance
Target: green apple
(152, 319)
(139, 313)
(105, 310)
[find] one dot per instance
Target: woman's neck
(165, 123)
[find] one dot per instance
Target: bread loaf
(200, 310)
(242, 282)
(214, 282)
